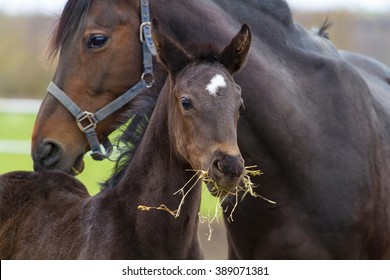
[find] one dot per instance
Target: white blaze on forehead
(217, 82)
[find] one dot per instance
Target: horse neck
(183, 25)
(155, 173)
(219, 20)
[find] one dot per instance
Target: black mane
(72, 16)
(135, 121)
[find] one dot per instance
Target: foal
(49, 215)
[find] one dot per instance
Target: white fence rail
(12, 147)
(19, 106)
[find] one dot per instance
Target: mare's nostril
(48, 154)
(44, 151)
(54, 155)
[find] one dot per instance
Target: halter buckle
(141, 30)
(86, 121)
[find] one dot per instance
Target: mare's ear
(174, 57)
(234, 55)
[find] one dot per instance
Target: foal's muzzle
(227, 170)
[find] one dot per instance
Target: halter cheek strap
(87, 121)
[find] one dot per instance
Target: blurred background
(26, 25)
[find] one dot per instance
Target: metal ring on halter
(88, 118)
(141, 30)
(115, 154)
(103, 154)
(148, 78)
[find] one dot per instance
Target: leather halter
(87, 121)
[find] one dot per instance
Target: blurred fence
(19, 106)
(15, 147)
(9, 109)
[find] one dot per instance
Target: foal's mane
(71, 19)
(133, 132)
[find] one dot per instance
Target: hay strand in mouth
(249, 186)
(246, 187)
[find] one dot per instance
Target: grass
(20, 126)
(16, 126)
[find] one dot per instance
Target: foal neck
(155, 173)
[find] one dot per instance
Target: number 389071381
(241, 270)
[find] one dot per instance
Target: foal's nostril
(218, 165)
(229, 165)
(226, 171)
(47, 155)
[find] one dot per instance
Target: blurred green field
(18, 128)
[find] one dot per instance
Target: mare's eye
(186, 103)
(96, 41)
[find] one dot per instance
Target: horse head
(207, 103)
(100, 58)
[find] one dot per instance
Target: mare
(49, 214)
(317, 120)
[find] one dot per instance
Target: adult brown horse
(316, 120)
(49, 215)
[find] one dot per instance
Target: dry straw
(241, 190)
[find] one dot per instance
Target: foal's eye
(186, 103)
(96, 41)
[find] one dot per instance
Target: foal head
(205, 103)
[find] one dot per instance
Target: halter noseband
(87, 121)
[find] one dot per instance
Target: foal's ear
(234, 55)
(174, 57)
